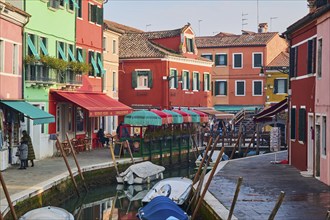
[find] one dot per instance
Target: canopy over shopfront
(186, 116)
(195, 118)
(166, 117)
(37, 115)
(97, 104)
(176, 117)
(217, 114)
(143, 118)
(203, 116)
(267, 114)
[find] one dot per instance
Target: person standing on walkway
(31, 156)
(23, 154)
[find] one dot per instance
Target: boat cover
(161, 208)
(144, 169)
(46, 213)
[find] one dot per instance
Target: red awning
(166, 118)
(266, 114)
(97, 104)
(186, 116)
(203, 116)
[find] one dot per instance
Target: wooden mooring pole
(130, 152)
(67, 164)
(251, 141)
(199, 203)
(238, 188)
(114, 158)
(277, 206)
(234, 149)
(76, 161)
(203, 160)
(5, 190)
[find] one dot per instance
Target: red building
(162, 70)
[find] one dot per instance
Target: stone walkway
(305, 198)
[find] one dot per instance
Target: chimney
(311, 5)
(262, 28)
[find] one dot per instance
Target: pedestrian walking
(31, 156)
(23, 154)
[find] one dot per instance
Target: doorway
(310, 143)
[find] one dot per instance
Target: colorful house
(238, 60)
(81, 110)
(162, 70)
(309, 78)
(14, 111)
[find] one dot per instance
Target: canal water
(120, 201)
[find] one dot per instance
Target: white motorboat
(140, 173)
(175, 188)
(49, 212)
(213, 158)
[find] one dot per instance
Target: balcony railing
(41, 74)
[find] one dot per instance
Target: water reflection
(117, 202)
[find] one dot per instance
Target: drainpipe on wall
(23, 51)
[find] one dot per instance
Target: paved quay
(305, 198)
(22, 184)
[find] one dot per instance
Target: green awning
(143, 118)
(177, 118)
(236, 108)
(195, 118)
(37, 115)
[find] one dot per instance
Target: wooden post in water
(234, 149)
(199, 203)
(277, 206)
(76, 161)
(238, 187)
(114, 159)
(67, 164)
(203, 161)
(130, 152)
(5, 190)
(251, 141)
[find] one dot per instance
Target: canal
(116, 200)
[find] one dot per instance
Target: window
(237, 60)
(79, 55)
(2, 56)
(257, 88)
(221, 59)
(99, 62)
(79, 119)
(99, 16)
(95, 14)
(302, 124)
(15, 59)
(190, 45)
(324, 136)
(208, 56)
(206, 82)
(79, 13)
(196, 83)
(91, 61)
(142, 79)
(54, 4)
(280, 86)
(220, 88)
(61, 52)
(71, 5)
(185, 80)
(70, 52)
(114, 83)
(311, 57)
(61, 3)
(319, 58)
(31, 45)
(104, 43)
(240, 88)
(293, 61)
(293, 123)
(257, 60)
(114, 47)
(173, 79)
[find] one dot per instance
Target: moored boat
(49, 212)
(213, 158)
(175, 188)
(140, 173)
(161, 208)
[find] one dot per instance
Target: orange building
(162, 69)
(237, 60)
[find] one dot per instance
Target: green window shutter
(175, 79)
(198, 82)
(100, 16)
(217, 88)
(188, 80)
(32, 47)
(84, 54)
(94, 12)
(134, 79)
(150, 79)
(293, 123)
(302, 124)
(275, 86)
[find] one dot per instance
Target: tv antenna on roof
(244, 20)
(270, 23)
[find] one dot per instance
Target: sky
(206, 17)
